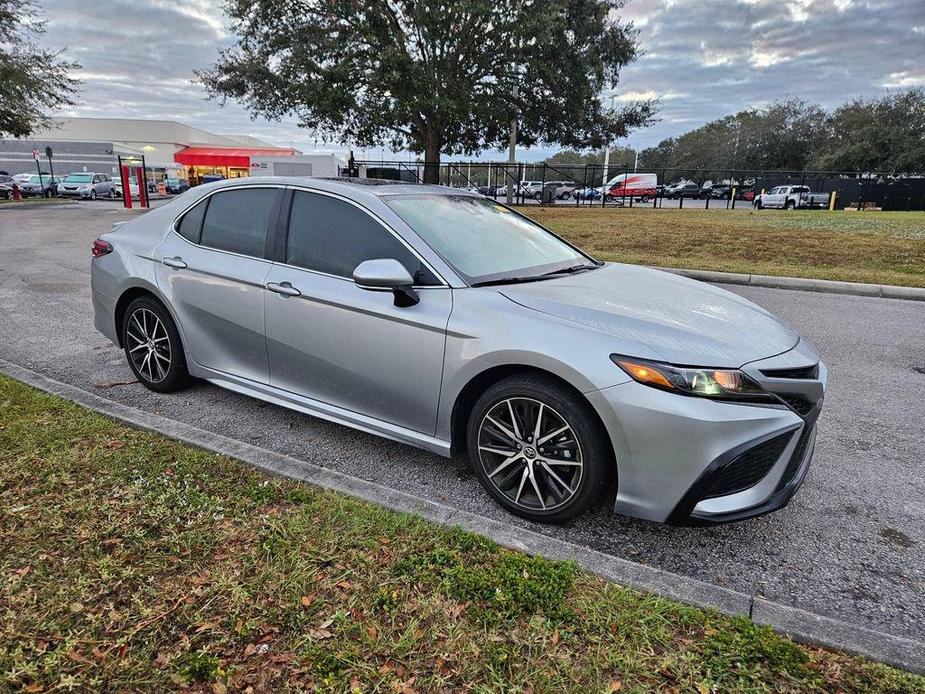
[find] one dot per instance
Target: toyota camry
(448, 321)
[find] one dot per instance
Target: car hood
(681, 320)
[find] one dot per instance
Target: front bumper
(695, 461)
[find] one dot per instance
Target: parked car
(589, 193)
(531, 189)
(682, 190)
(21, 178)
(718, 191)
(40, 186)
(791, 198)
(175, 186)
(6, 191)
(6, 179)
(87, 185)
(487, 191)
(745, 193)
(117, 186)
(451, 323)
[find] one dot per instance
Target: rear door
(212, 271)
(331, 341)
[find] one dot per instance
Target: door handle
(283, 288)
(175, 262)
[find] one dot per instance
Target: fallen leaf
(307, 600)
(709, 632)
(372, 631)
(34, 687)
(76, 607)
(219, 688)
(616, 686)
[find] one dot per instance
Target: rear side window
(237, 220)
(332, 236)
(191, 223)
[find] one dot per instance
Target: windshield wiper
(508, 280)
(571, 270)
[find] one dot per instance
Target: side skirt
(323, 410)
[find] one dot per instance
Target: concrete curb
(883, 291)
(802, 626)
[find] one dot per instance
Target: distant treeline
(885, 135)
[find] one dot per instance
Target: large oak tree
(33, 81)
(433, 77)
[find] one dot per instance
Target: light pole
(511, 151)
(607, 149)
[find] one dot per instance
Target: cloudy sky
(702, 59)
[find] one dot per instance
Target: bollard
(681, 201)
(732, 198)
(832, 197)
(16, 194)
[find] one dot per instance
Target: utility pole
(511, 151)
(636, 163)
(607, 151)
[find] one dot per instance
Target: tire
(164, 369)
(537, 196)
(565, 196)
(581, 457)
(112, 194)
(791, 205)
(757, 205)
(93, 194)
(644, 199)
(8, 194)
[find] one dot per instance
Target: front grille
(798, 403)
(798, 452)
(748, 468)
(802, 372)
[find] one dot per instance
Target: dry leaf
(616, 686)
(307, 600)
(372, 631)
(709, 632)
(219, 688)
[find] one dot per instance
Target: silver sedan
(448, 321)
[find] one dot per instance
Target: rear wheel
(152, 346)
(538, 449)
(791, 205)
(644, 198)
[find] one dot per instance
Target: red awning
(227, 156)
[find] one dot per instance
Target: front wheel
(791, 205)
(93, 195)
(152, 346)
(539, 449)
(537, 196)
(644, 198)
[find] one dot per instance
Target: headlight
(720, 384)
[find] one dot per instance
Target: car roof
(351, 187)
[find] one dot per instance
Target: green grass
(878, 247)
(133, 562)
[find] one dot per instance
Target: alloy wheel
(530, 454)
(148, 345)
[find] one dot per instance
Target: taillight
(100, 247)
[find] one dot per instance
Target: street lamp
(607, 149)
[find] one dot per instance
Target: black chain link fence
(621, 186)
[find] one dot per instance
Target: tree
(435, 78)
(884, 135)
(781, 137)
(33, 81)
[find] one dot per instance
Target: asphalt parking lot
(851, 545)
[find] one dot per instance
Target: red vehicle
(640, 186)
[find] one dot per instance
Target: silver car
(87, 185)
(448, 321)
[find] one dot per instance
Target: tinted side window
(332, 236)
(191, 223)
(237, 220)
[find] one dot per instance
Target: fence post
(832, 197)
(732, 198)
(707, 206)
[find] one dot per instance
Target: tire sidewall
(177, 375)
(599, 469)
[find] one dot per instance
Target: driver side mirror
(384, 275)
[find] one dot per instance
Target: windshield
(79, 178)
(483, 240)
(34, 178)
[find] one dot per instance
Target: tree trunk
(432, 159)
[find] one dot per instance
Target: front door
(331, 341)
(212, 271)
